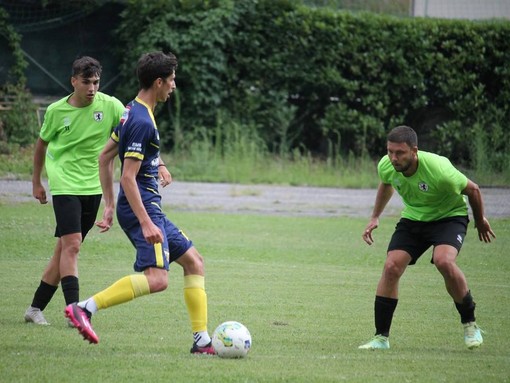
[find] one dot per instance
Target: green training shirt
(432, 193)
(75, 139)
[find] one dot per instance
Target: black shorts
(415, 237)
(75, 213)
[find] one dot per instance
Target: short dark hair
(87, 67)
(154, 65)
(403, 134)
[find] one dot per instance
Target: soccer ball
(231, 340)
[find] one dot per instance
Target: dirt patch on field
(269, 199)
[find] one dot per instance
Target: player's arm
(106, 167)
(384, 193)
(165, 178)
(472, 191)
(38, 190)
(151, 232)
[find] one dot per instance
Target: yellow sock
(196, 301)
(124, 290)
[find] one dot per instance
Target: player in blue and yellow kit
(157, 240)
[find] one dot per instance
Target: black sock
(71, 289)
(466, 309)
(384, 309)
(43, 295)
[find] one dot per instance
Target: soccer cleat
(378, 342)
(70, 323)
(208, 349)
(36, 316)
(472, 335)
(81, 322)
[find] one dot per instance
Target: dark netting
(37, 15)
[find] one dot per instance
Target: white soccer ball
(231, 340)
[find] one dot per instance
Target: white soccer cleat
(378, 342)
(472, 335)
(35, 315)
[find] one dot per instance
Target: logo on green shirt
(98, 116)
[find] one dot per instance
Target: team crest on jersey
(98, 116)
(423, 186)
(67, 124)
(125, 114)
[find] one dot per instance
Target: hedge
(328, 81)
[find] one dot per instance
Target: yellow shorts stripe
(158, 250)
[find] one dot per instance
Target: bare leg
(394, 267)
(51, 274)
(69, 256)
(454, 279)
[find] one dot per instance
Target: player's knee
(444, 265)
(198, 261)
(392, 270)
(157, 283)
(196, 266)
(71, 248)
(192, 262)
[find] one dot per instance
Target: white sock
(201, 338)
(89, 305)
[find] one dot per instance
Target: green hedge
(327, 81)
(18, 124)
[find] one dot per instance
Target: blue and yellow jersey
(138, 138)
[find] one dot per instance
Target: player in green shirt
(435, 214)
(74, 132)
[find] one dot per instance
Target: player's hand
(484, 230)
(39, 193)
(367, 233)
(165, 178)
(152, 233)
(107, 222)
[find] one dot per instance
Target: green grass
(267, 169)
(16, 162)
(303, 286)
(203, 164)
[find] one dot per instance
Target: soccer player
(74, 132)
(435, 214)
(158, 241)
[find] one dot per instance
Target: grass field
(303, 286)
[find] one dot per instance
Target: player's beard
(402, 168)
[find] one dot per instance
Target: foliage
(240, 156)
(7, 31)
(16, 162)
(394, 7)
(316, 79)
(200, 34)
(18, 125)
